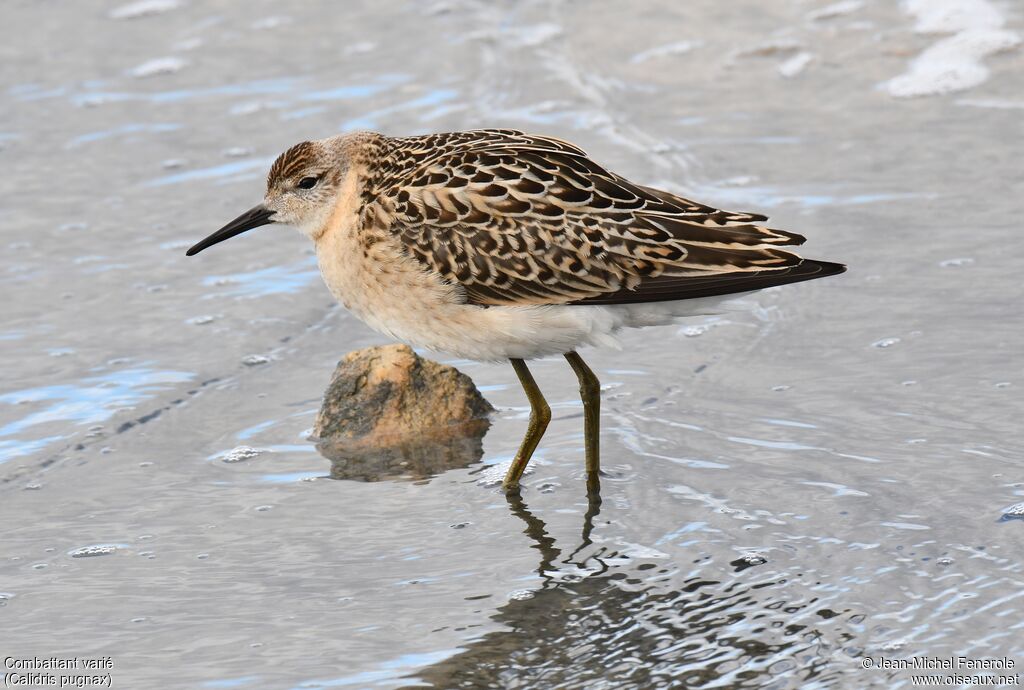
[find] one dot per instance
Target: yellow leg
(590, 392)
(540, 415)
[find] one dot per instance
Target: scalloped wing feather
(523, 219)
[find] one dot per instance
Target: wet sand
(791, 489)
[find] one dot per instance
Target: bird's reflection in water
(412, 457)
(603, 620)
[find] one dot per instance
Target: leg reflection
(593, 510)
(536, 529)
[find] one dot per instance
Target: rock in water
(386, 393)
(388, 411)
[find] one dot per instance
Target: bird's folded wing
(664, 288)
(521, 219)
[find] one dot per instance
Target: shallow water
(825, 477)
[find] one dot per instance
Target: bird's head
(302, 190)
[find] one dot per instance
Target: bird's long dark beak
(253, 218)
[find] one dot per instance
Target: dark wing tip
(826, 268)
(666, 288)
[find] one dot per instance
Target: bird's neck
(344, 215)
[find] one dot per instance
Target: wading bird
(496, 244)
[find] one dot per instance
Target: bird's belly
(423, 318)
(398, 298)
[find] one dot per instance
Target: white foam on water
(834, 10)
(952, 16)
(796, 64)
(955, 63)
(143, 8)
(677, 48)
(94, 550)
(952, 64)
(164, 65)
(241, 454)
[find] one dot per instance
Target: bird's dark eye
(308, 182)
